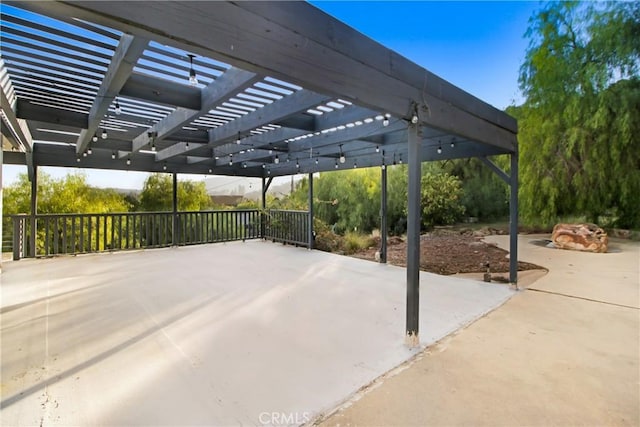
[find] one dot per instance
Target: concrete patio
(224, 334)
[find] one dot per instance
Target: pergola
(255, 89)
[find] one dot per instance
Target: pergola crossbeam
(129, 49)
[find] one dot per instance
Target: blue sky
(475, 45)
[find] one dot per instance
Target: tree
(70, 194)
(579, 149)
(157, 194)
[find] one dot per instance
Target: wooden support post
(34, 212)
(176, 233)
(310, 237)
(413, 237)
(384, 231)
(513, 221)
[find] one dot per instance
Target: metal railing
(287, 226)
(56, 234)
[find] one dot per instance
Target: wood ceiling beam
(129, 49)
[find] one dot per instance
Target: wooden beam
(18, 129)
(231, 82)
(129, 49)
(161, 91)
(28, 111)
(278, 110)
(177, 149)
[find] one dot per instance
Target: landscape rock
(580, 237)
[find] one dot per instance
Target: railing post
(310, 231)
(175, 210)
(34, 212)
(18, 237)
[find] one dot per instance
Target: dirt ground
(449, 251)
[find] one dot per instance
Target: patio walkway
(224, 334)
(563, 352)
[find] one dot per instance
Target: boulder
(580, 237)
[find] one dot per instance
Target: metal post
(383, 216)
(513, 221)
(413, 237)
(34, 212)
(1, 209)
(264, 207)
(310, 237)
(176, 233)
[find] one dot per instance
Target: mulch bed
(448, 254)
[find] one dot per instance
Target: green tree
(157, 194)
(579, 145)
(440, 201)
(70, 194)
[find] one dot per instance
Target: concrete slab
(551, 356)
(241, 333)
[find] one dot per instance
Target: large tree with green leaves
(157, 194)
(71, 194)
(579, 125)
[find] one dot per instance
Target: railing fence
(57, 234)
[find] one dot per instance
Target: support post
(34, 212)
(1, 208)
(176, 233)
(310, 237)
(384, 231)
(513, 220)
(264, 207)
(413, 236)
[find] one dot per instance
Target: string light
(104, 134)
(164, 166)
(276, 160)
(118, 109)
(377, 149)
(128, 162)
(94, 138)
(89, 151)
(193, 80)
(342, 157)
(385, 122)
(336, 164)
(439, 150)
(113, 155)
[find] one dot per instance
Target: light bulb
(439, 150)
(336, 165)
(128, 162)
(385, 122)
(276, 160)
(153, 147)
(94, 138)
(414, 119)
(113, 156)
(316, 161)
(118, 109)
(104, 134)
(164, 167)
(377, 149)
(89, 151)
(268, 171)
(452, 144)
(383, 166)
(210, 171)
(238, 141)
(342, 158)
(355, 165)
(193, 80)
(78, 160)
(84, 154)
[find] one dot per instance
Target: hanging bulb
(377, 149)
(113, 155)
(78, 159)
(104, 134)
(264, 166)
(94, 138)
(297, 165)
(186, 145)
(385, 122)
(268, 171)
(164, 166)
(342, 158)
(383, 166)
(89, 151)
(244, 165)
(84, 154)
(153, 147)
(276, 160)
(193, 80)
(439, 150)
(210, 171)
(316, 161)
(128, 162)
(355, 165)
(118, 109)
(452, 144)
(336, 165)
(400, 160)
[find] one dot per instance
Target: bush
(441, 194)
(354, 242)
